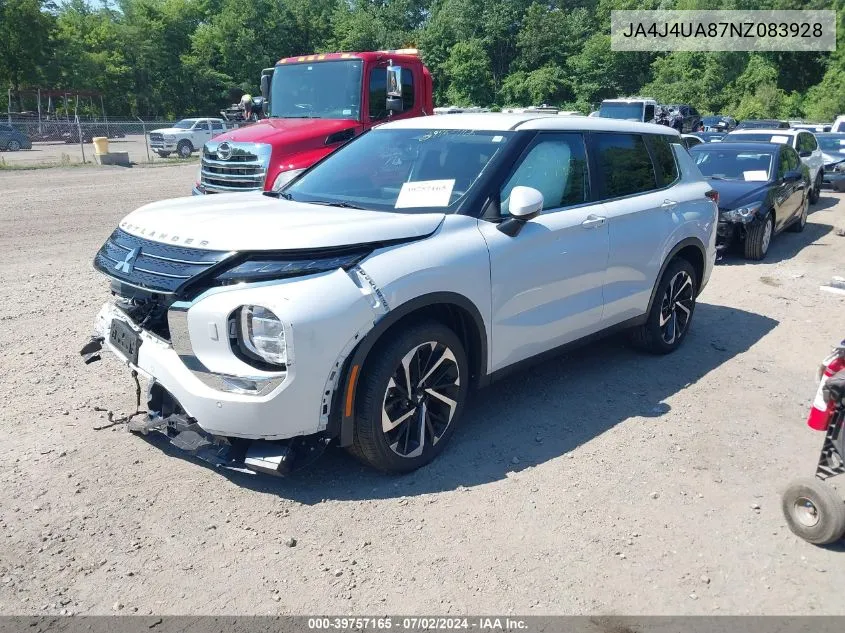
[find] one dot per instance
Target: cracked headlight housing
(265, 269)
(741, 214)
(260, 336)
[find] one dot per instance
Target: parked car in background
(838, 126)
(632, 109)
(800, 140)
(710, 137)
(810, 127)
(718, 123)
(833, 151)
(691, 140)
(185, 137)
(11, 140)
(691, 119)
(762, 124)
(425, 257)
(762, 191)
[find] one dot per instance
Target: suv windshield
(400, 170)
(727, 164)
(625, 111)
(185, 124)
(322, 90)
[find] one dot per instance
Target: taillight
(713, 195)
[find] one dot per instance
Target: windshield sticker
(780, 139)
(347, 112)
(842, 142)
(425, 193)
(498, 139)
(756, 175)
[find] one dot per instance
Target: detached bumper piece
(726, 234)
(276, 457)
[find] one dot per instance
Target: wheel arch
(691, 249)
(452, 309)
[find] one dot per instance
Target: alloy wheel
(676, 307)
(13, 145)
(420, 399)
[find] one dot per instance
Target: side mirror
(792, 176)
(266, 78)
(525, 204)
(394, 103)
(805, 154)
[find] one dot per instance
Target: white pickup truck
(185, 137)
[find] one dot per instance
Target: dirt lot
(601, 482)
(70, 154)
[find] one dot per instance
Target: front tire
(13, 145)
(410, 396)
(163, 154)
(758, 238)
(814, 511)
(671, 313)
(184, 149)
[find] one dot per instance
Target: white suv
(185, 137)
(428, 256)
(801, 141)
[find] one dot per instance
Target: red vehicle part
(822, 411)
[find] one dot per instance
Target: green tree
(25, 28)
(468, 70)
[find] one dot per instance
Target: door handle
(593, 221)
(668, 204)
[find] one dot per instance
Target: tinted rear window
(624, 164)
(664, 160)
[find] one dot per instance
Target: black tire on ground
(184, 149)
(13, 145)
(668, 321)
(430, 357)
(816, 191)
(814, 511)
(163, 154)
(801, 222)
(756, 240)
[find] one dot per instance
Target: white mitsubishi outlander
(428, 256)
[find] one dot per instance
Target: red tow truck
(314, 104)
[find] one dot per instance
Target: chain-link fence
(69, 141)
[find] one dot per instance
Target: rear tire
(184, 149)
(758, 238)
(671, 312)
(816, 191)
(798, 225)
(397, 430)
(814, 511)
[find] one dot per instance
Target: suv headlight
(261, 335)
(264, 269)
(742, 214)
(285, 177)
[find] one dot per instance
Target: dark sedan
(762, 191)
(11, 140)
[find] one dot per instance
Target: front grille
(162, 268)
(243, 170)
(156, 139)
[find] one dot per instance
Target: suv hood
(253, 221)
(274, 131)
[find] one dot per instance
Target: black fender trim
(689, 241)
(342, 422)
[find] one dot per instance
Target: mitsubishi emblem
(128, 264)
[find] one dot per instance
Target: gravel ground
(71, 154)
(601, 482)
